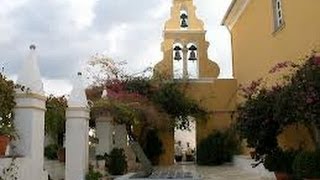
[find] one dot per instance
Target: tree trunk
(147, 166)
(138, 151)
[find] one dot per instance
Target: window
(278, 14)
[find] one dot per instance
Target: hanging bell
(184, 23)
(192, 56)
(177, 56)
(192, 53)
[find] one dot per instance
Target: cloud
(68, 32)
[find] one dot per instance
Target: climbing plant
(126, 89)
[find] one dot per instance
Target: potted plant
(280, 162)
(7, 104)
(117, 162)
(306, 165)
(102, 161)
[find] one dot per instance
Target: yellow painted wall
(257, 47)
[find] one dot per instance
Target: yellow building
(185, 60)
(266, 32)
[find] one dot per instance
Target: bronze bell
(177, 55)
(192, 53)
(184, 18)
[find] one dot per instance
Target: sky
(68, 32)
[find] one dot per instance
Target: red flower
(316, 60)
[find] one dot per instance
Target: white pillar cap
(30, 76)
(78, 96)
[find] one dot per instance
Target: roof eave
(235, 10)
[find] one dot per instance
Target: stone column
(29, 118)
(185, 62)
(77, 128)
(104, 131)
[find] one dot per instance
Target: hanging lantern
(193, 56)
(177, 54)
(184, 23)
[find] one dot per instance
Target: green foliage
(216, 149)
(175, 103)
(153, 146)
(93, 175)
(7, 104)
(306, 165)
(117, 162)
(51, 152)
(280, 161)
(139, 85)
(55, 118)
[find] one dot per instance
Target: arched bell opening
(193, 61)
(184, 23)
(177, 55)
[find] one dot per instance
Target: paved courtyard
(225, 172)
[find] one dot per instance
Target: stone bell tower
(185, 58)
(184, 46)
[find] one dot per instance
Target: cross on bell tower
(184, 46)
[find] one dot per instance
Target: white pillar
(29, 118)
(29, 123)
(120, 136)
(77, 132)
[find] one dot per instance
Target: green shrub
(153, 146)
(216, 149)
(280, 161)
(93, 175)
(117, 162)
(51, 152)
(307, 165)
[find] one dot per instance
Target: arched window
(184, 23)
(177, 55)
(193, 61)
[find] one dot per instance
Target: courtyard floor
(224, 172)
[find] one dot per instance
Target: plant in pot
(307, 165)
(117, 162)
(102, 161)
(7, 104)
(280, 162)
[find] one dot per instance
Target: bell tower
(185, 47)
(185, 59)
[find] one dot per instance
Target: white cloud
(82, 12)
(68, 32)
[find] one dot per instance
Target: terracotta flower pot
(4, 141)
(282, 176)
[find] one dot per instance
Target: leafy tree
(55, 118)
